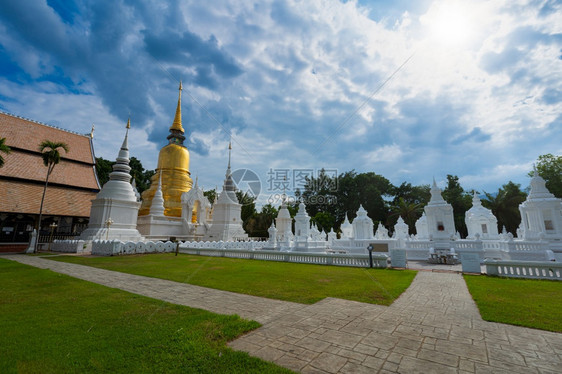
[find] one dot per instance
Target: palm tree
(505, 205)
(51, 156)
(4, 149)
(410, 212)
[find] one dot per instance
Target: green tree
(211, 195)
(412, 194)
(269, 213)
(259, 223)
(324, 221)
(103, 168)
(549, 168)
(51, 157)
(4, 149)
(460, 200)
(248, 207)
(410, 213)
(408, 203)
(293, 208)
(505, 205)
(142, 177)
(320, 193)
(371, 191)
(341, 195)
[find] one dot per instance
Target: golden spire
(177, 119)
(129, 123)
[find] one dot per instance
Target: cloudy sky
(407, 89)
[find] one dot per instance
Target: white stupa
(272, 241)
(227, 221)
(421, 227)
(302, 224)
(541, 213)
(157, 206)
(382, 232)
(400, 229)
(284, 223)
(137, 194)
(156, 225)
(362, 225)
(346, 229)
(115, 209)
(481, 221)
(440, 218)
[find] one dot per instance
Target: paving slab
(433, 327)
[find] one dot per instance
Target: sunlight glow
(449, 22)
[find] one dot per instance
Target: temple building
(172, 209)
(173, 169)
(73, 183)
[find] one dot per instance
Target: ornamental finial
(176, 125)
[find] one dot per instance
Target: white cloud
(304, 68)
(497, 175)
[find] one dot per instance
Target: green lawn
(276, 280)
(523, 302)
(52, 323)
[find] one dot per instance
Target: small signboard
(398, 258)
(470, 263)
(380, 247)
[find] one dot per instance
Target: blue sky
(474, 88)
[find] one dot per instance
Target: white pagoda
(541, 213)
(346, 229)
(362, 225)
(114, 210)
(439, 215)
(227, 221)
(302, 224)
(481, 221)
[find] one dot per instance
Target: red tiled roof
(26, 134)
(25, 197)
(29, 166)
(75, 169)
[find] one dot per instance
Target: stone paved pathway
(434, 327)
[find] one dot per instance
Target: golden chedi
(173, 165)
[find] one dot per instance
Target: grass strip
(52, 323)
(301, 283)
(522, 302)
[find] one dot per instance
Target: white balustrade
(68, 246)
(358, 260)
(525, 269)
